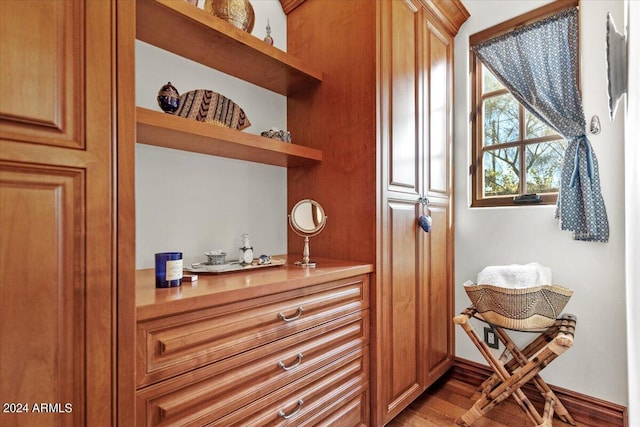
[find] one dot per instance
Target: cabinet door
(438, 327)
(56, 306)
(437, 331)
(399, 368)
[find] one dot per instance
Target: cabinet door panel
(400, 361)
(41, 66)
(404, 149)
(437, 70)
(439, 299)
(41, 293)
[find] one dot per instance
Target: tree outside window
(514, 152)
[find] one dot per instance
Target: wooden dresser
(275, 345)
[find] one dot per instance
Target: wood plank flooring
(449, 398)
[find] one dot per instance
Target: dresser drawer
(348, 410)
(211, 392)
(310, 399)
(176, 344)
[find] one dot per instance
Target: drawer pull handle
(294, 413)
(295, 365)
(289, 319)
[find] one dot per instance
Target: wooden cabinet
(416, 267)
(296, 352)
(67, 128)
(58, 295)
(402, 310)
(382, 118)
(232, 361)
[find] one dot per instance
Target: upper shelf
(169, 131)
(185, 30)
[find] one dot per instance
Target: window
(513, 152)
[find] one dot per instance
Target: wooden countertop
(225, 288)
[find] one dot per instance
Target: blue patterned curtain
(538, 63)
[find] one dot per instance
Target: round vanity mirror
(307, 219)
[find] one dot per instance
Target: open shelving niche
(215, 43)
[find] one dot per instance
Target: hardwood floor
(448, 399)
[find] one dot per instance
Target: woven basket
(522, 308)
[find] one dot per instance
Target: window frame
(477, 100)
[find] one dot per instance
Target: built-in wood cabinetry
(58, 290)
(378, 118)
(382, 118)
(67, 218)
(255, 348)
(281, 345)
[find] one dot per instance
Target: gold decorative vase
(238, 13)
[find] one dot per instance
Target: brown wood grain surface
(57, 224)
(194, 34)
(449, 398)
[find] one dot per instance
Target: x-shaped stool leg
(524, 366)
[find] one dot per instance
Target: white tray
(232, 266)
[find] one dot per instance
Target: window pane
(544, 162)
(501, 119)
(501, 169)
(489, 81)
(535, 128)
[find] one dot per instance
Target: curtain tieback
(582, 140)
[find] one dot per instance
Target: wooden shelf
(185, 30)
(169, 131)
(178, 27)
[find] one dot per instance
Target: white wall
(192, 202)
(596, 365)
(632, 205)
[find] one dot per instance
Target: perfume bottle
(246, 251)
(268, 39)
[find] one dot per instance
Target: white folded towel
(515, 275)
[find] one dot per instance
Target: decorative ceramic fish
(264, 259)
(211, 107)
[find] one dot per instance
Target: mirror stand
(307, 219)
(305, 255)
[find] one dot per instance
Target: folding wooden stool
(523, 366)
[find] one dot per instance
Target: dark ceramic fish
(425, 222)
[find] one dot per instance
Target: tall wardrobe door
(400, 362)
(437, 60)
(56, 306)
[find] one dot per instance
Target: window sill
(495, 202)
